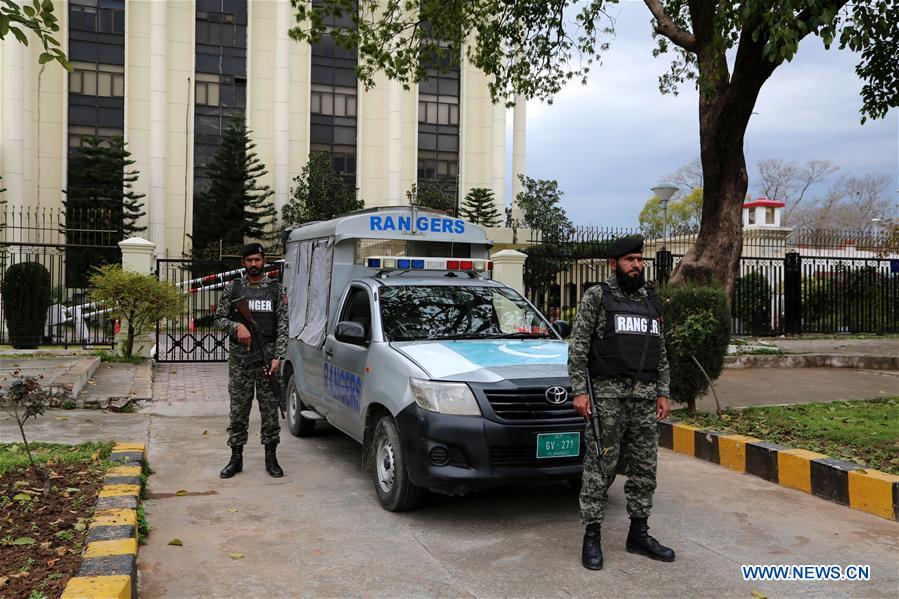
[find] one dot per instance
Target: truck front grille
(525, 456)
(528, 404)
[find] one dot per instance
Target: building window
(333, 105)
(769, 215)
(438, 128)
(751, 216)
(99, 17)
(78, 132)
(94, 79)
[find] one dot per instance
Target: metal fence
(192, 337)
(801, 281)
(67, 243)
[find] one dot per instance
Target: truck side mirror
(562, 328)
(352, 332)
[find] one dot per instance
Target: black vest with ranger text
(633, 327)
(262, 303)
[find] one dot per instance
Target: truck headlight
(445, 398)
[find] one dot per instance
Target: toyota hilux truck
(449, 380)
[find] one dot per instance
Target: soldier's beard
(254, 271)
(628, 283)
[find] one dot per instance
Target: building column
(17, 123)
(519, 151)
(158, 123)
(281, 168)
(394, 191)
(498, 159)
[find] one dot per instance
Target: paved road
(320, 532)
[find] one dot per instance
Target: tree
(319, 193)
(850, 203)
(479, 207)
(684, 215)
(539, 201)
(727, 49)
(788, 182)
(23, 400)
(687, 178)
(100, 194)
(38, 18)
(235, 206)
(140, 300)
(432, 194)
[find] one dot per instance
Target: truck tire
(299, 426)
(395, 490)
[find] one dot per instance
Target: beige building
(166, 75)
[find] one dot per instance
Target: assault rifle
(259, 354)
(594, 420)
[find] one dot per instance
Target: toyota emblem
(556, 395)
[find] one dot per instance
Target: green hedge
(26, 297)
(697, 323)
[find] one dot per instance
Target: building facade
(168, 75)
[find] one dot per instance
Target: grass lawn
(43, 527)
(861, 431)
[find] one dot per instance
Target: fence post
(508, 269)
(137, 256)
(663, 266)
(792, 293)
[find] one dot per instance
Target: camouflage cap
(624, 246)
(252, 248)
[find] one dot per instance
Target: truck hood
(488, 360)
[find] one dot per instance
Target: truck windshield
(450, 312)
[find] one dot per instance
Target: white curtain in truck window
(318, 293)
(298, 269)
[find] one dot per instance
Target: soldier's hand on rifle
(243, 335)
(276, 364)
(661, 408)
(582, 405)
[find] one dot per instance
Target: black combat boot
(639, 541)
(271, 461)
(236, 463)
(591, 554)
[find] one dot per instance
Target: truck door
(344, 365)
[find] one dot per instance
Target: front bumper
(478, 453)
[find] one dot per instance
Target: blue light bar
(418, 264)
(403, 263)
(374, 263)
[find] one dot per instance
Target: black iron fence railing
(790, 281)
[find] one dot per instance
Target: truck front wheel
(395, 490)
(299, 426)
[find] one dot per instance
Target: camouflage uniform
(241, 379)
(626, 412)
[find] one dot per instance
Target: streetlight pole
(664, 261)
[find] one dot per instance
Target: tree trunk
(129, 343)
(725, 106)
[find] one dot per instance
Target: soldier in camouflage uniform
(268, 304)
(617, 341)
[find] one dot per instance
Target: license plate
(558, 445)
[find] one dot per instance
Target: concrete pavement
(320, 532)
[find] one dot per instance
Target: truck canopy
(321, 258)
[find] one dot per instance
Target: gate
(193, 337)
(67, 246)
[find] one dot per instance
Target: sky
(608, 143)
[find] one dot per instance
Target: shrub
(140, 300)
(697, 325)
(26, 299)
(750, 290)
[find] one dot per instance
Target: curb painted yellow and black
(109, 565)
(842, 482)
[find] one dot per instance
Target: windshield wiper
(462, 336)
(523, 335)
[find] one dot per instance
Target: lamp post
(664, 191)
(664, 260)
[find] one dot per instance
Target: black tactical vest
(631, 341)
(263, 306)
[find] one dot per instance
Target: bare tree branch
(667, 27)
